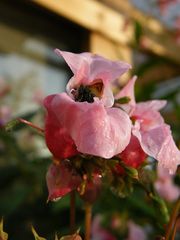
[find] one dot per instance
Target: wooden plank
(98, 17)
(157, 38)
(92, 15)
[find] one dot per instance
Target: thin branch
(172, 220)
(88, 215)
(31, 125)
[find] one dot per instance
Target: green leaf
(123, 100)
(3, 235)
(10, 125)
(138, 32)
(36, 236)
(130, 171)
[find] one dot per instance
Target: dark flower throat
(84, 94)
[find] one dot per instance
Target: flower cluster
(88, 122)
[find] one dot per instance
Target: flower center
(87, 93)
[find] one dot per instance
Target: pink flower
(91, 69)
(165, 186)
(135, 232)
(98, 232)
(61, 179)
(82, 120)
(153, 134)
(5, 115)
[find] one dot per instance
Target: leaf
(123, 100)
(11, 125)
(130, 171)
(36, 236)
(71, 237)
(3, 235)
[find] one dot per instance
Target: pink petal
(73, 60)
(61, 179)
(165, 186)
(88, 68)
(154, 105)
(94, 129)
(128, 91)
(159, 144)
(58, 140)
(98, 232)
(98, 67)
(133, 155)
(136, 232)
(148, 119)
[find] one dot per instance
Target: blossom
(164, 185)
(98, 232)
(91, 69)
(153, 133)
(62, 179)
(83, 119)
(135, 232)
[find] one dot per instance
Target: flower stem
(72, 211)
(88, 215)
(172, 220)
(175, 229)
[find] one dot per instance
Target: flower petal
(94, 129)
(61, 179)
(88, 68)
(128, 91)
(58, 140)
(165, 186)
(159, 144)
(154, 105)
(133, 155)
(98, 67)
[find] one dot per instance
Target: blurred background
(143, 33)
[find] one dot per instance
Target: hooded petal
(58, 140)
(94, 129)
(61, 179)
(89, 68)
(128, 91)
(97, 66)
(159, 144)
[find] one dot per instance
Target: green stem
(172, 220)
(88, 215)
(72, 211)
